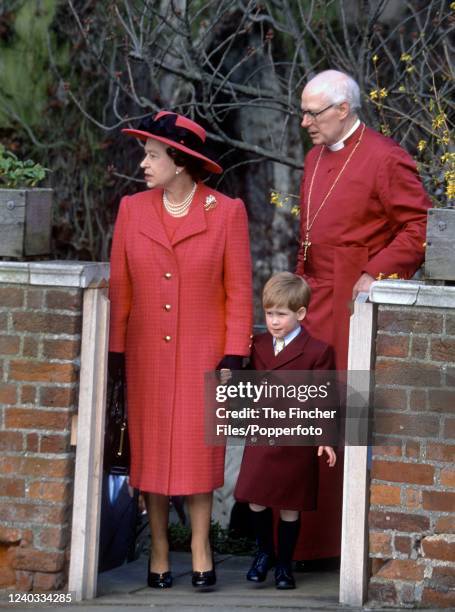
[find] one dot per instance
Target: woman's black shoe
(284, 578)
(159, 581)
(260, 566)
(204, 579)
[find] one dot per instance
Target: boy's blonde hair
(286, 290)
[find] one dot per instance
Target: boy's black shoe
(262, 563)
(284, 578)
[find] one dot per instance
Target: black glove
(116, 365)
(230, 362)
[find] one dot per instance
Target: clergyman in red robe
(363, 217)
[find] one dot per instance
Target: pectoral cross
(306, 245)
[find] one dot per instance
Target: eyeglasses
(314, 115)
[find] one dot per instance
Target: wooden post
(83, 570)
(25, 221)
(354, 539)
(440, 244)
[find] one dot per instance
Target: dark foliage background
(73, 72)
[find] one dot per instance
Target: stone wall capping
(412, 293)
(14, 272)
(58, 273)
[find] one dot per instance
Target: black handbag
(116, 440)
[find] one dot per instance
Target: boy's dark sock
(288, 532)
(263, 530)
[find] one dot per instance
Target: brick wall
(39, 362)
(412, 491)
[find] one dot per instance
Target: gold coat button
(167, 307)
(168, 275)
(167, 338)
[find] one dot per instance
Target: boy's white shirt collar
(340, 144)
(290, 337)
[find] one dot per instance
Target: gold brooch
(210, 202)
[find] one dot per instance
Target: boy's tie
(279, 345)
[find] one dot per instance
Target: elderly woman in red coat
(181, 305)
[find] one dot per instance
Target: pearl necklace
(179, 210)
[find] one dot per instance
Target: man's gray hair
(338, 87)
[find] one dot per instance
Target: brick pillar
(412, 490)
(40, 345)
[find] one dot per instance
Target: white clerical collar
(290, 337)
(340, 144)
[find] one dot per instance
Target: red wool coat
(283, 477)
(374, 221)
(176, 308)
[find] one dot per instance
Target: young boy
(284, 478)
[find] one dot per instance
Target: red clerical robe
(373, 221)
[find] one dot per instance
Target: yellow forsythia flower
(282, 200)
(439, 121)
(373, 94)
(382, 276)
(383, 93)
(274, 198)
(405, 57)
(421, 145)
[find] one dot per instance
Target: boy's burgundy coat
(284, 477)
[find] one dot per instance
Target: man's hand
(332, 458)
(362, 285)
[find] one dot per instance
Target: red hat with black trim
(177, 131)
